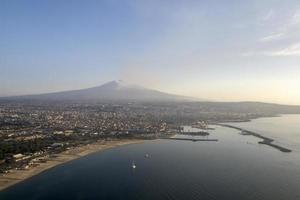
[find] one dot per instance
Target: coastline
(16, 176)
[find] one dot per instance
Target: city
(31, 131)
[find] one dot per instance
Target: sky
(233, 50)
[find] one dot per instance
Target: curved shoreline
(16, 176)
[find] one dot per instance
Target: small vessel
(133, 165)
(147, 155)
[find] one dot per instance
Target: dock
(192, 139)
(265, 140)
(199, 133)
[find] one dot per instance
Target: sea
(235, 167)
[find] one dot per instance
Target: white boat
(133, 165)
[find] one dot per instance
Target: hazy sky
(222, 50)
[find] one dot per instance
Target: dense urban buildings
(30, 131)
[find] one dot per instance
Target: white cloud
(285, 29)
(284, 40)
(292, 50)
(272, 37)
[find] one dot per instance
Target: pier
(199, 133)
(265, 140)
(192, 139)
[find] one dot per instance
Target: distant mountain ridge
(121, 91)
(114, 90)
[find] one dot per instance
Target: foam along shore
(16, 176)
(265, 140)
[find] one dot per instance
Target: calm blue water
(235, 167)
(285, 130)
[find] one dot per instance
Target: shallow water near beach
(235, 167)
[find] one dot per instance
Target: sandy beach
(15, 176)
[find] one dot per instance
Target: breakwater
(192, 139)
(199, 133)
(265, 140)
